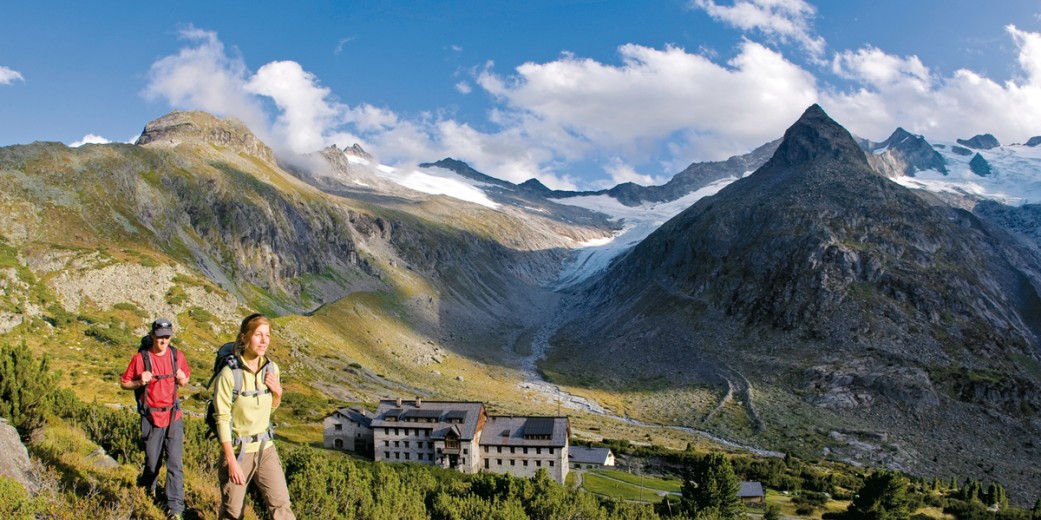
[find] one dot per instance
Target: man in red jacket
(154, 373)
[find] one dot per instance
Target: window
(513, 462)
(551, 451)
(408, 456)
(395, 431)
(498, 449)
(386, 455)
(406, 444)
(386, 431)
(551, 463)
(525, 450)
(337, 427)
(397, 444)
(338, 443)
(538, 451)
(386, 444)
(397, 454)
(498, 461)
(486, 464)
(525, 462)
(512, 449)
(538, 463)
(466, 451)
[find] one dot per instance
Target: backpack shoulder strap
(146, 358)
(236, 374)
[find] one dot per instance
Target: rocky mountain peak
(196, 127)
(816, 137)
(981, 142)
(904, 153)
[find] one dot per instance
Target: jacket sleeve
(222, 393)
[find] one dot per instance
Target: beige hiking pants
(265, 469)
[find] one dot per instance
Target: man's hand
(181, 378)
(145, 378)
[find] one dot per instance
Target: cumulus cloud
(783, 20)
(657, 95)
(9, 75)
(306, 110)
(897, 91)
(204, 77)
(640, 119)
(89, 139)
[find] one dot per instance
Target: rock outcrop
(195, 127)
(15, 461)
(903, 153)
(980, 142)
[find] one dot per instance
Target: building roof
(465, 418)
(354, 414)
(586, 455)
(750, 490)
(503, 430)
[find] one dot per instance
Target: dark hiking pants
(160, 443)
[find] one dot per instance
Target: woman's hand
(272, 383)
(235, 472)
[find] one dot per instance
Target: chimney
(399, 402)
(419, 402)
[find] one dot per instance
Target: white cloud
(783, 20)
(306, 110)
(89, 139)
(895, 91)
(656, 96)
(203, 77)
(9, 75)
(641, 119)
(621, 172)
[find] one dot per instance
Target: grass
(601, 485)
(645, 481)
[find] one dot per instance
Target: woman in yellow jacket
(244, 422)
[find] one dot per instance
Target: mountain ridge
(821, 280)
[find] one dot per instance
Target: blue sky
(581, 94)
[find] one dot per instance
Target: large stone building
(349, 429)
(461, 436)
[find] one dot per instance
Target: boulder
(15, 463)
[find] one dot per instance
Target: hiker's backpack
(139, 393)
(226, 358)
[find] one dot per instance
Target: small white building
(348, 429)
(581, 457)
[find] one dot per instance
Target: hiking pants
(265, 468)
(160, 443)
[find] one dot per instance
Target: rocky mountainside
(897, 330)
(903, 154)
(201, 206)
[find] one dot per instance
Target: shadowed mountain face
(852, 297)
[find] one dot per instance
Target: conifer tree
(710, 489)
(25, 384)
(883, 497)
